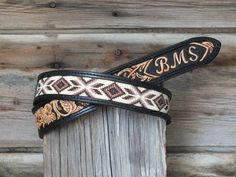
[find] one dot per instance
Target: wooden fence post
(108, 142)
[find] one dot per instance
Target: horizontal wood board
(203, 105)
(71, 14)
(179, 165)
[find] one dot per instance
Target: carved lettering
(178, 59)
(162, 65)
(207, 45)
(144, 70)
(192, 53)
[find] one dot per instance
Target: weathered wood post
(108, 142)
(112, 142)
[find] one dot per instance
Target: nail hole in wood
(56, 65)
(118, 52)
(52, 4)
(115, 14)
(16, 101)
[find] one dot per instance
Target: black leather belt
(64, 95)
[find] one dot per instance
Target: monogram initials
(145, 72)
(162, 65)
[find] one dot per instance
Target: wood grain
(203, 105)
(21, 165)
(201, 165)
(95, 51)
(109, 142)
(16, 121)
(71, 14)
(35, 36)
(179, 164)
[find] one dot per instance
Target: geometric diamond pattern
(113, 91)
(104, 89)
(160, 102)
(60, 85)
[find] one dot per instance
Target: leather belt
(63, 95)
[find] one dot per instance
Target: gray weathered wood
(40, 38)
(179, 164)
(21, 165)
(207, 125)
(70, 14)
(109, 142)
(95, 51)
(202, 165)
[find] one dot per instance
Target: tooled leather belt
(64, 95)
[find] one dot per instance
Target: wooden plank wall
(36, 36)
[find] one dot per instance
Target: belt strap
(64, 95)
(98, 88)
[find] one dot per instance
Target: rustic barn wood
(201, 165)
(70, 14)
(109, 142)
(95, 51)
(207, 125)
(36, 36)
(21, 165)
(179, 164)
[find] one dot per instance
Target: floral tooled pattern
(44, 115)
(54, 110)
